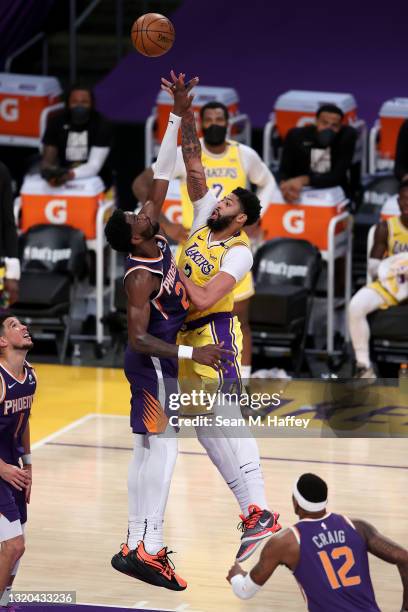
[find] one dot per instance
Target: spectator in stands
(401, 156)
(10, 270)
(228, 164)
(388, 263)
(77, 141)
(318, 155)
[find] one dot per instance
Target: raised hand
(180, 91)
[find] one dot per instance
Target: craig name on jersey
(328, 537)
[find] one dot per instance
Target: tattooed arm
(388, 551)
(191, 147)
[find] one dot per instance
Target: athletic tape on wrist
(185, 352)
(305, 504)
(243, 586)
(26, 459)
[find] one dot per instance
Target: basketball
(153, 34)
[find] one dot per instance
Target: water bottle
(403, 381)
(76, 355)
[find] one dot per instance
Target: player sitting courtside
(327, 553)
(17, 388)
(157, 306)
(215, 257)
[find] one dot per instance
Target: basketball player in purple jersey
(17, 388)
(157, 307)
(327, 553)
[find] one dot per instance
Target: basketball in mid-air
(153, 34)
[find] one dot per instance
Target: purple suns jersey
(15, 405)
(170, 304)
(333, 569)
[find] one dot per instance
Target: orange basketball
(153, 34)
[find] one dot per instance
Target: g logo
(294, 221)
(9, 109)
(56, 211)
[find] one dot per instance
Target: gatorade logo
(294, 221)
(9, 109)
(56, 211)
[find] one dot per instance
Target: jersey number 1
(340, 578)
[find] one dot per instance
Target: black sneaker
(125, 562)
(258, 525)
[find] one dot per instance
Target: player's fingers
(166, 82)
(168, 89)
(192, 83)
(173, 76)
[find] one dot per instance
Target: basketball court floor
(78, 514)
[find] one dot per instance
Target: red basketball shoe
(258, 525)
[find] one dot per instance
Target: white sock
(245, 372)
(364, 302)
(157, 474)
(137, 520)
(220, 452)
(247, 455)
(153, 540)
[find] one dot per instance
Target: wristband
(185, 352)
(26, 459)
(243, 586)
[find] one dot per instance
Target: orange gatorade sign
(23, 98)
(75, 204)
(308, 219)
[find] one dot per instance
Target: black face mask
(80, 114)
(215, 134)
(325, 137)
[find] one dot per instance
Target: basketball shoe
(157, 569)
(258, 525)
(125, 561)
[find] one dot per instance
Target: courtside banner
(288, 408)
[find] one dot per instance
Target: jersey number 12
(341, 577)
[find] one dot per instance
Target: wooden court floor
(78, 514)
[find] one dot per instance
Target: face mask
(215, 134)
(326, 137)
(80, 114)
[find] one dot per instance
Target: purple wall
(263, 48)
(19, 21)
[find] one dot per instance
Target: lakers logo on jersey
(397, 236)
(199, 259)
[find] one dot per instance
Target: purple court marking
(74, 608)
(125, 448)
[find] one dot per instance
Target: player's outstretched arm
(387, 550)
(281, 549)
(208, 295)
(191, 148)
(166, 159)
(140, 285)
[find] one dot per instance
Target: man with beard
(228, 164)
(17, 388)
(215, 257)
(77, 141)
(157, 306)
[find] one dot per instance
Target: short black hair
(312, 488)
(118, 232)
(330, 108)
(249, 203)
(403, 185)
(81, 87)
(214, 104)
(4, 314)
